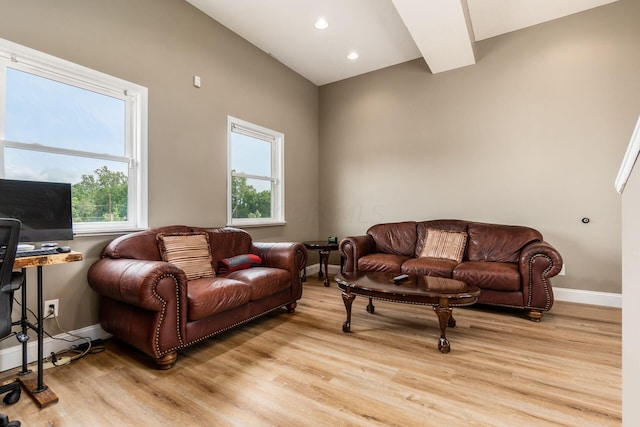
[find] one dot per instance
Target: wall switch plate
(196, 81)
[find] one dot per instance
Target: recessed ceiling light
(353, 56)
(321, 24)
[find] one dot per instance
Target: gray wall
(161, 44)
(533, 134)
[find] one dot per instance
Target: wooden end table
(324, 249)
(441, 293)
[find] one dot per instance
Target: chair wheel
(4, 421)
(12, 397)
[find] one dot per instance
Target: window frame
(34, 62)
(235, 125)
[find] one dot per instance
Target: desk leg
(24, 323)
(41, 386)
(35, 387)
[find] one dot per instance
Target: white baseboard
(581, 296)
(12, 357)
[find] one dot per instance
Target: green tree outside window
(247, 202)
(101, 197)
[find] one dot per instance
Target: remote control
(401, 278)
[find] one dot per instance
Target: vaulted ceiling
(381, 32)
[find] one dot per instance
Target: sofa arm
(137, 282)
(539, 261)
(290, 256)
(352, 248)
(144, 303)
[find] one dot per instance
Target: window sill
(110, 232)
(258, 224)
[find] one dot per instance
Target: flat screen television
(43, 207)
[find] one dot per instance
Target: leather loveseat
(510, 264)
(161, 307)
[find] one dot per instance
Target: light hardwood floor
(301, 369)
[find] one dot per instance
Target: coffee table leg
(452, 322)
(347, 298)
(370, 307)
(444, 317)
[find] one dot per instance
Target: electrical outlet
(562, 272)
(51, 303)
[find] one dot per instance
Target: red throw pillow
(239, 262)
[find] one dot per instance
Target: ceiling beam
(442, 31)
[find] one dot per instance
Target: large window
(61, 122)
(256, 172)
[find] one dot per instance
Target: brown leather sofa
(511, 265)
(151, 305)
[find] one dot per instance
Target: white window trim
(29, 60)
(277, 165)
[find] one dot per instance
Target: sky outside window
(251, 156)
(46, 112)
(51, 167)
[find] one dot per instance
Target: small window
(255, 187)
(60, 122)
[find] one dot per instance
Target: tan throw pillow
(444, 244)
(187, 251)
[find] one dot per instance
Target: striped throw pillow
(187, 251)
(444, 244)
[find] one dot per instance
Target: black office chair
(9, 281)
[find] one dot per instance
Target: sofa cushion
(444, 244)
(500, 276)
(141, 244)
(499, 243)
(187, 251)
(263, 281)
(227, 242)
(436, 267)
(397, 238)
(381, 262)
(440, 224)
(208, 296)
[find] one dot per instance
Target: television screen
(43, 207)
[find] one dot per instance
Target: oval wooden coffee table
(441, 293)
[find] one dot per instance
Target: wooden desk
(34, 384)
